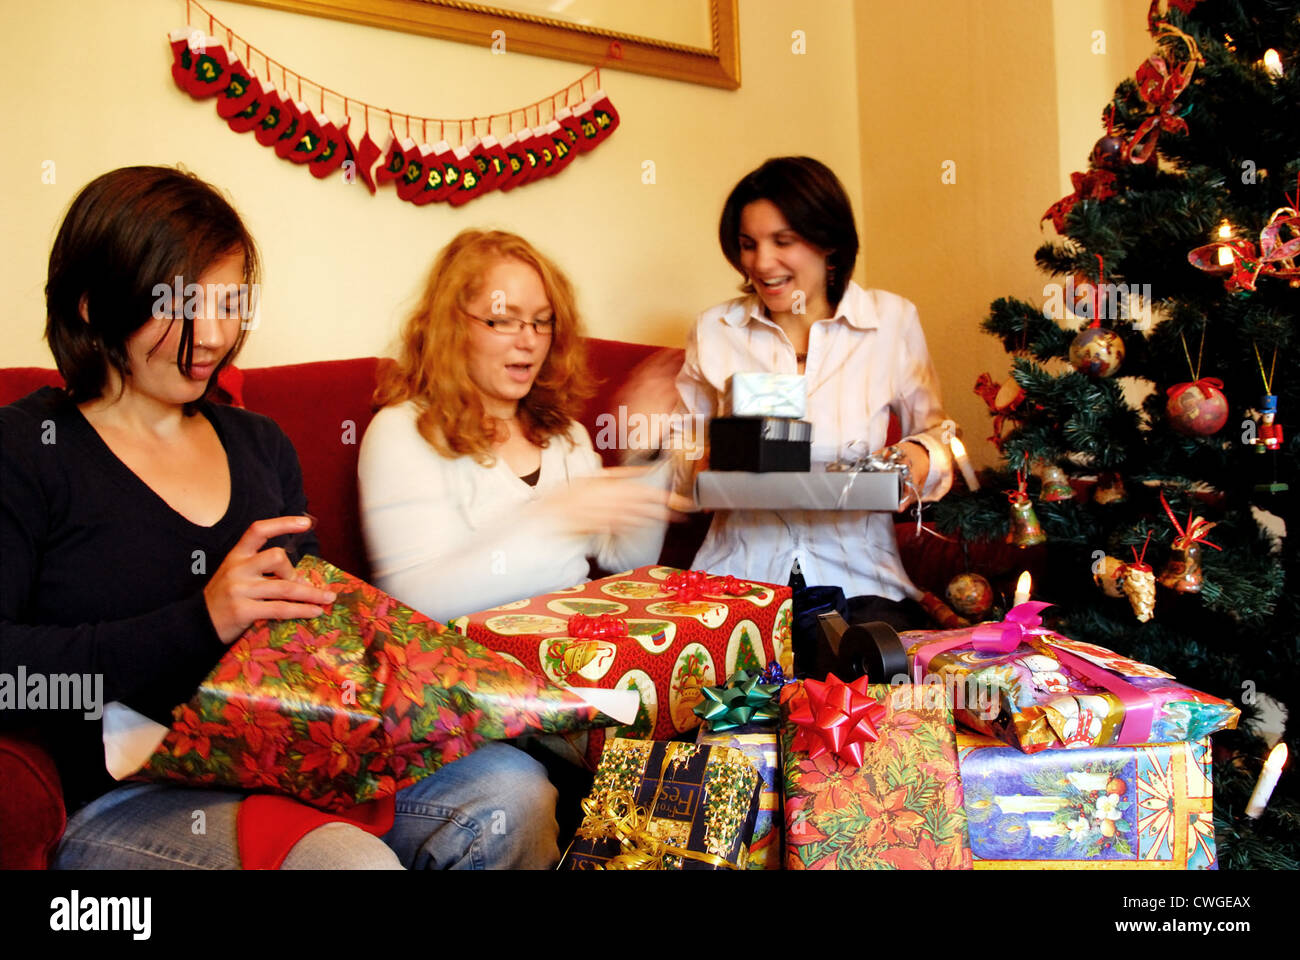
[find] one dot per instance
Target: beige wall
(884, 94)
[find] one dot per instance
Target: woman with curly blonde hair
(477, 485)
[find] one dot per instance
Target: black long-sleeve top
(98, 575)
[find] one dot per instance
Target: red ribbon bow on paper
(1005, 636)
(688, 585)
(837, 718)
(1197, 529)
(603, 627)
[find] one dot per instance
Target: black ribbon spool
(852, 650)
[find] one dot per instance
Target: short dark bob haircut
(125, 232)
(813, 202)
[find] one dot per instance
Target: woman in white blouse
(788, 228)
(477, 485)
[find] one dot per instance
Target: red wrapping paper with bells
(663, 632)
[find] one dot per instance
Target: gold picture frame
(528, 33)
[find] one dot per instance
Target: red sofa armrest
(32, 819)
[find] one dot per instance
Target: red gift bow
(837, 718)
(1006, 636)
(1093, 185)
(687, 585)
(1197, 529)
(603, 627)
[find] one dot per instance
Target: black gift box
(760, 444)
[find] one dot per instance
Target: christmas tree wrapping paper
(657, 805)
(757, 741)
(1036, 689)
(354, 705)
(1145, 807)
(900, 809)
(662, 632)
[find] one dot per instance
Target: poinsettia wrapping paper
(354, 705)
(673, 648)
(901, 809)
(757, 741)
(1147, 807)
(693, 797)
(1032, 700)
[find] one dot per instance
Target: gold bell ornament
(1140, 585)
(1183, 571)
(1025, 531)
(1056, 486)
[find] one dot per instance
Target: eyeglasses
(511, 326)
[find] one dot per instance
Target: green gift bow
(743, 700)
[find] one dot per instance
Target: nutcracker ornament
(1268, 435)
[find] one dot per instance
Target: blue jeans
(493, 809)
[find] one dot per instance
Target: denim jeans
(493, 809)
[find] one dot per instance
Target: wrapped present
(760, 445)
(1145, 807)
(1034, 688)
(757, 741)
(870, 778)
(666, 634)
(757, 394)
(354, 705)
(667, 806)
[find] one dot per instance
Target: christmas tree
(1158, 375)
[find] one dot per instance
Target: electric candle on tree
(1023, 587)
(1267, 781)
(963, 461)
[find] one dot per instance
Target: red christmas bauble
(1108, 153)
(1097, 352)
(970, 594)
(1197, 409)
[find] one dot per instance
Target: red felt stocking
(479, 154)
(527, 145)
(560, 145)
(515, 161)
(589, 133)
(394, 164)
(310, 139)
(471, 183)
(498, 162)
(337, 149)
(280, 115)
(292, 126)
(367, 157)
(415, 173)
(202, 73)
(256, 110)
(572, 129)
(240, 91)
(606, 117)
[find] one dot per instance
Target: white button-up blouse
(868, 361)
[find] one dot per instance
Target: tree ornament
(1110, 489)
(1140, 585)
(1056, 486)
(970, 594)
(1268, 433)
(1183, 571)
(1199, 408)
(1109, 575)
(1097, 351)
(1108, 152)
(1025, 531)
(1003, 401)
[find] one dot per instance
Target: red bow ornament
(837, 718)
(688, 585)
(603, 627)
(1093, 185)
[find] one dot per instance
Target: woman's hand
(609, 502)
(918, 462)
(648, 396)
(255, 584)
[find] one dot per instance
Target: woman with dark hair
(141, 530)
(788, 229)
(478, 486)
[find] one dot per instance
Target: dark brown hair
(813, 202)
(125, 233)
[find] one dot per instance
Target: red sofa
(324, 407)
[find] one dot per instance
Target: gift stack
(1073, 755)
(665, 633)
(764, 430)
